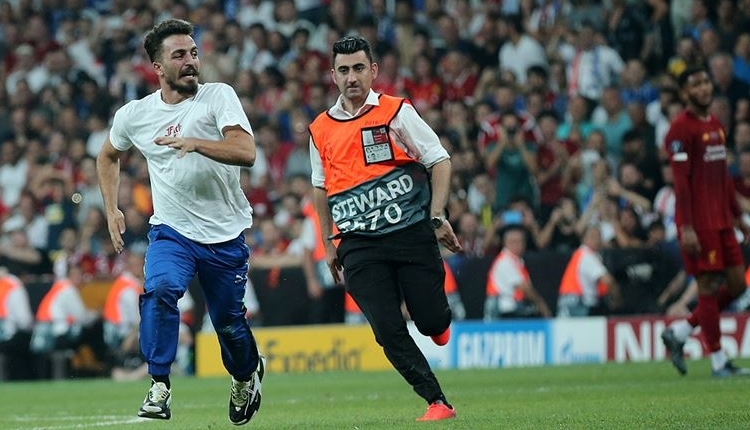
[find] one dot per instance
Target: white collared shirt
(408, 130)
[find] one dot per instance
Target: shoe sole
(154, 415)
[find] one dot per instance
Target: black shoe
(244, 399)
(674, 347)
(157, 402)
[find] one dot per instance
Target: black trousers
(381, 272)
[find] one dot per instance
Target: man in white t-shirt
(520, 51)
(194, 137)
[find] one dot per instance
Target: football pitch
(598, 396)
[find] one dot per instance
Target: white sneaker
(245, 396)
(157, 402)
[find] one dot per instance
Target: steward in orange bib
(382, 176)
(586, 282)
(16, 320)
(510, 293)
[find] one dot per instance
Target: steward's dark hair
(350, 45)
(154, 38)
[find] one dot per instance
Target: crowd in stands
(553, 111)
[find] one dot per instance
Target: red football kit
(704, 191)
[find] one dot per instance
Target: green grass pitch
(606, 396)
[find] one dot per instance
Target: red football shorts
(719, 250)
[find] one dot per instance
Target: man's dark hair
(687, 73)
(154, 38)
(350, 45)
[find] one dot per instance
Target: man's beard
(188, 89)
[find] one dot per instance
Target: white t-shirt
(518, 58)
(198, 197)
(589, 72)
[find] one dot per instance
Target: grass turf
(606, 396)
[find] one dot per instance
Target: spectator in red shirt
(551, 157)
(459, 75)
(424, 89)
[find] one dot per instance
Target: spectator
(520, 51)
(274, 253)
(613, 120)
(459, 75)
(577, 124)
(471, 235)
(13, 168)
(26, 217)
(587, 288)
(424, 88)
(513, 160)
(298, 161)
(664, 202)
(725, 83)
(637, 114)
(551, 157)
(626, 29)
(659, 40)
(686, 54)
(628, 230)
(741, 59)
(592, 66)
(559, 233)
(635, 85)
(510, 292)
(636, 152)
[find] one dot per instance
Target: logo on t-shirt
(173, 130)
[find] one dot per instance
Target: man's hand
(689, 240)
(183, 144)
(116, 226)
(334, 265)
(447, 237)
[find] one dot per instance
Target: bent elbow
(249, 159)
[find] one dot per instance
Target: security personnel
(121, 314)
(510, 293)
(16, 318)
(586, 282)
(381, 175)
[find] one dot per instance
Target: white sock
(718, 359)
(682, 329)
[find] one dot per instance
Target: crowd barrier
(476, 344)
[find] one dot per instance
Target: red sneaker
(442, 338)
(438, 411)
